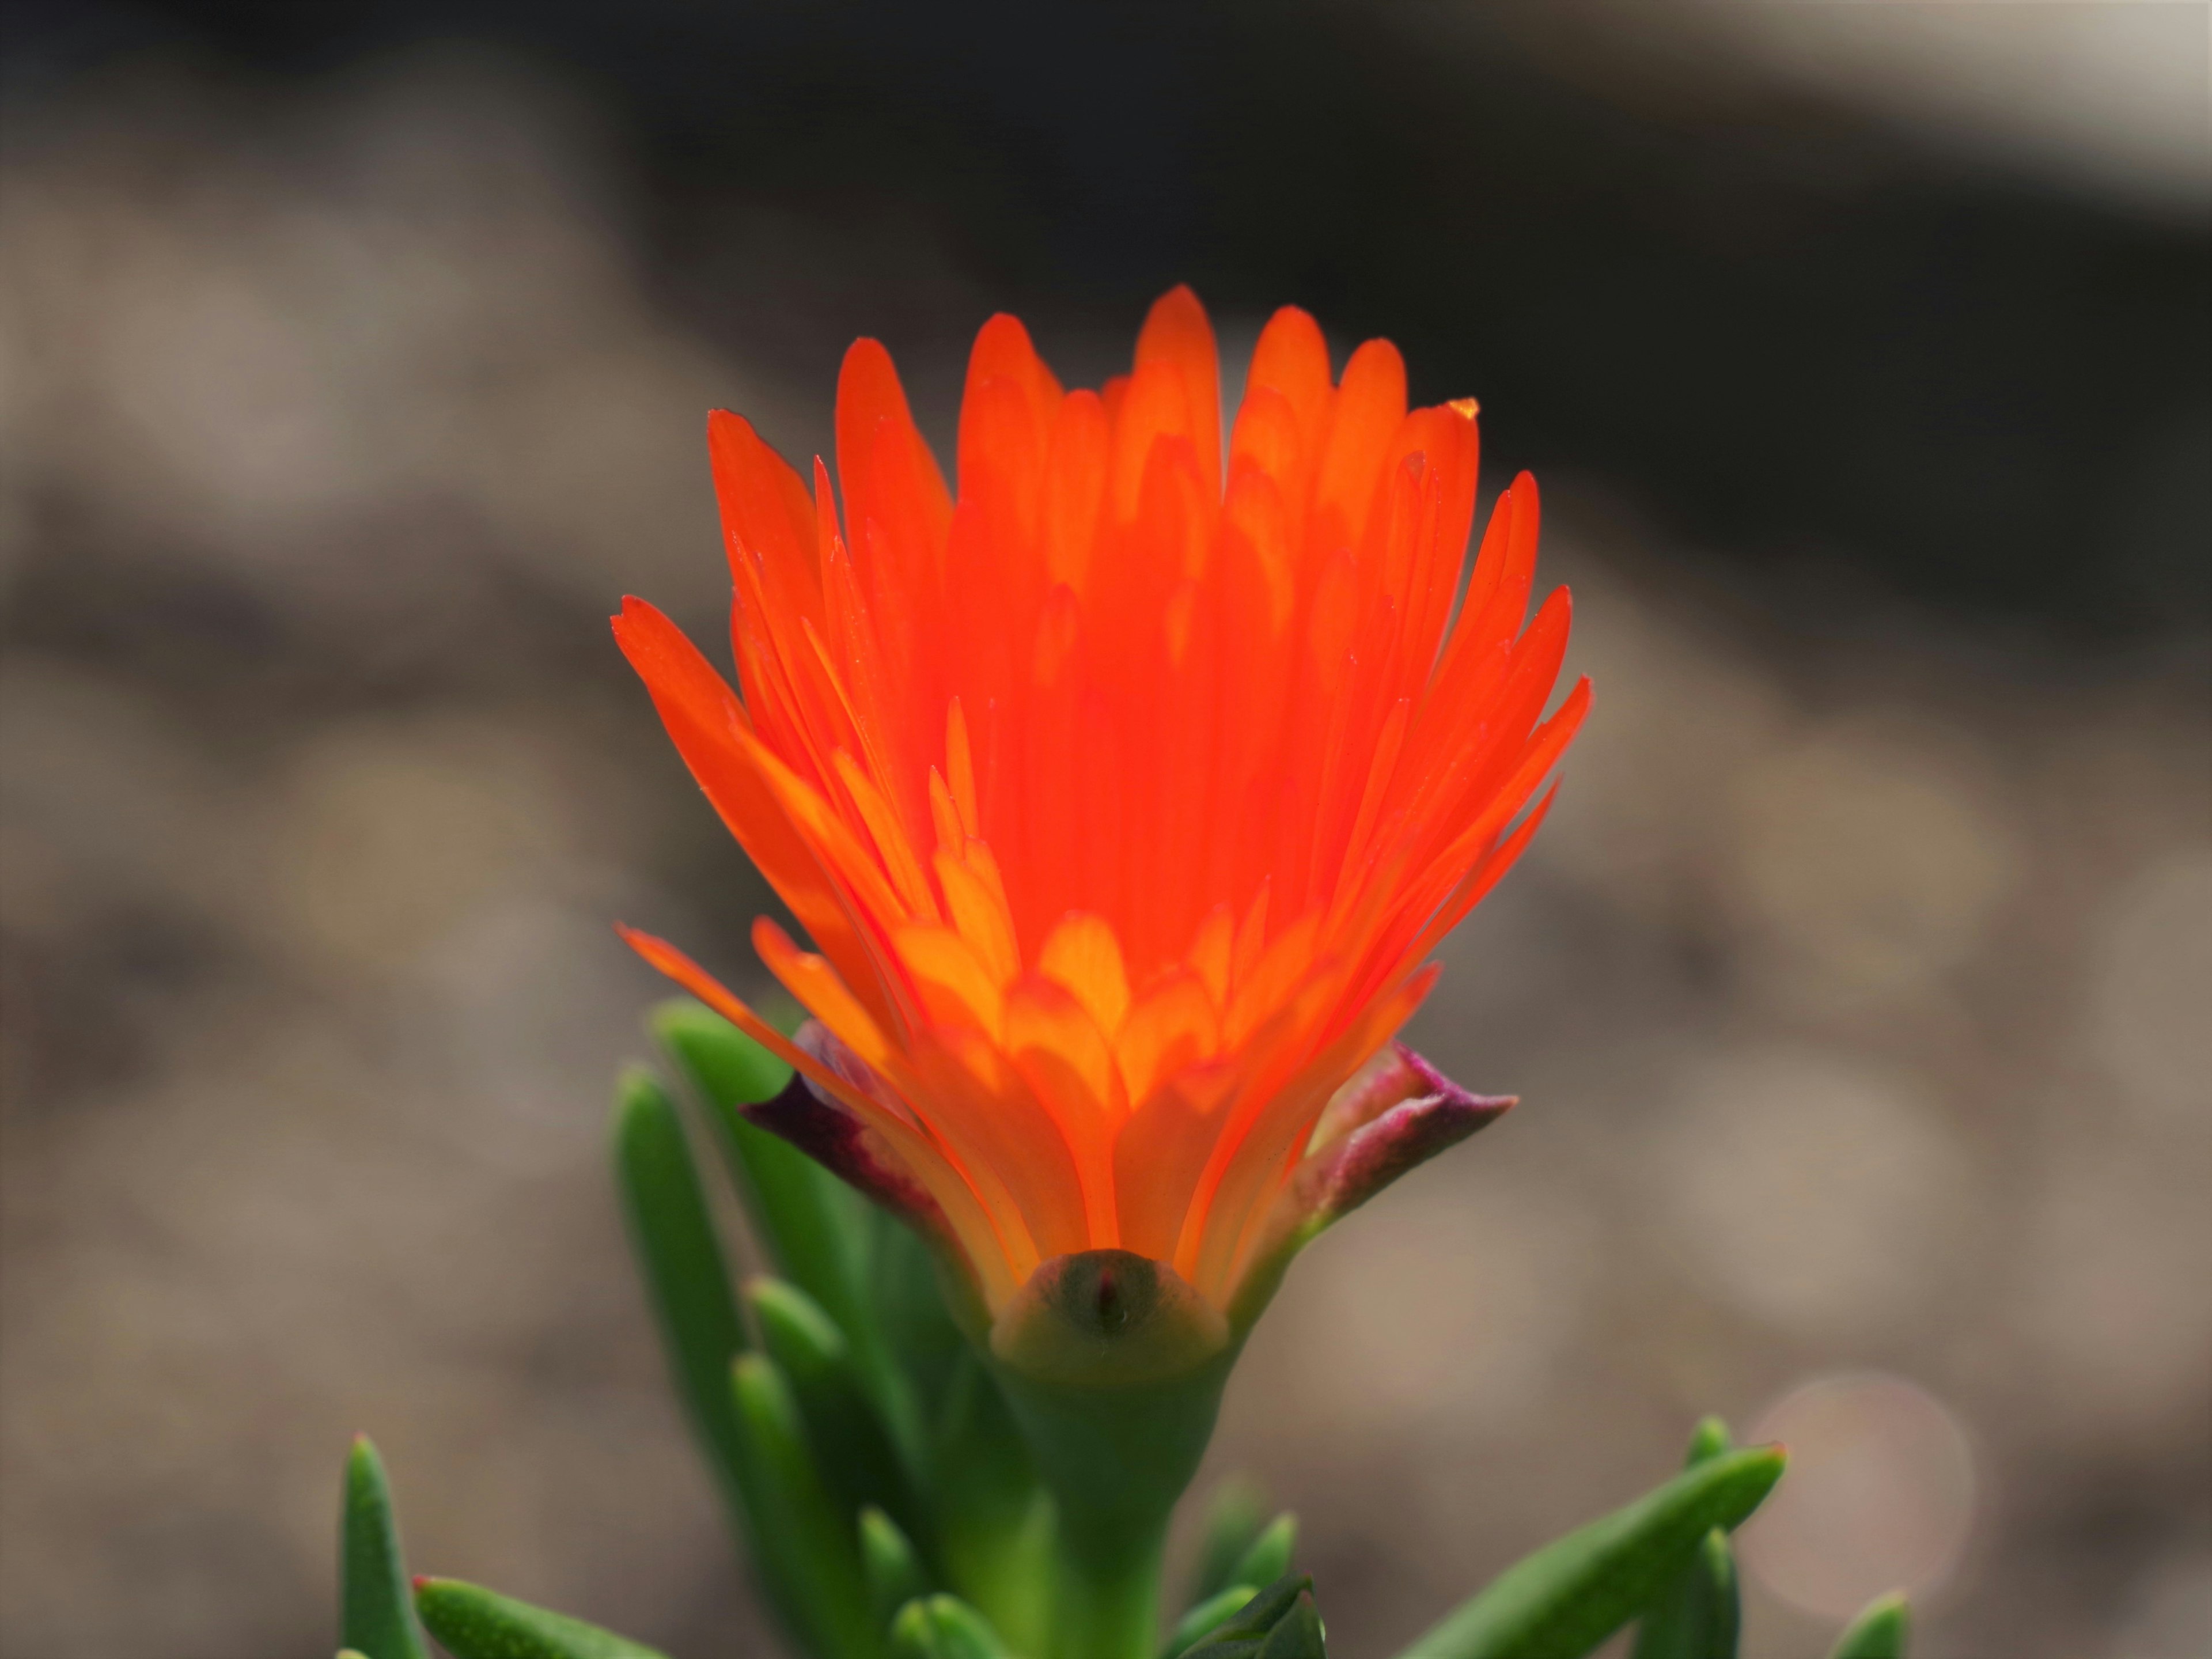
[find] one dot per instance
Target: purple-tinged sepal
(1396, 1114)
(833, 1136)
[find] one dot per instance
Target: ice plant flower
(1124, 791)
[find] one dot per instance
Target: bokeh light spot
(1880, 1495)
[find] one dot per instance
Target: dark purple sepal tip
(1397, 1115)
(833, 1135)
(1401, 1114)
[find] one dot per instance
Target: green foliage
(1568, 1597)
(1707, 1441)
(376, 1615)
(944, 1627)
(1268, 1557)
(957, 1479)
(819, 1234)
(889, 1566)
(472, 1622)
(1207, 1617)
(858, 1462)
(886, 1474)
(1279, 1622)
(1700, 1615)
(1232, 1522)
(808, 1546)
(681, 1258)
(1879, 1631)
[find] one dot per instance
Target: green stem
(1106, 1600)
(1113, 1368)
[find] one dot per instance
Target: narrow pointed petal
(1122, 791)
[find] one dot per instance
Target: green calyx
(1107, 1319)
(1113, 1367)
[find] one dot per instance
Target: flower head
(1123, 792)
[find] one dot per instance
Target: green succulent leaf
(1267, 1557)
(1700, 1616)
(681, 1258)
(1879, 1632)
(924, 1345)
(1568, 1597)
(474, 1623)
(377, 1615)
(889, 1566)
(808, 1220)
(1279, 1622)
(818, 1232)
(1707, 1441)
(857, 1461)
(1233, 1520)
(944, 1627)
(809, 1550)
(1207, 1617)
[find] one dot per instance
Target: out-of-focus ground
(1859, 990)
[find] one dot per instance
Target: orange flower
(1124, 792)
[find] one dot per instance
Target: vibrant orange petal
(1123, 793)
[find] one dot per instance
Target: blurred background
(1859, 992)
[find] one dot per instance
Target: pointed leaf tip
(1279, 1622)
(679, 1256)
(1239, 1510)
(1707, 1441)
(376, 1615)
(1207, 1617)
(1570, 1596)
(472, 1622)
(808, 1546)
(891, 1571)
(1881, 1631)
(1700, 1614)
(1268, 1558)
(944, 1627)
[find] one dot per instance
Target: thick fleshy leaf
(854, 1455)
(944, 1627)
(924, 1344)
(1279, 1622)
(1879, 1632)
(1707, 1441)
(681, 1258)
(808, 1547)
(1267, 1557)
(807, 1219)
(472, 1622)
(1567, 1598)
(1208, 1616)
(377, 1614)
(893, 1572)
(1700, 1615)
(1233, 1520)
(821, 1234)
